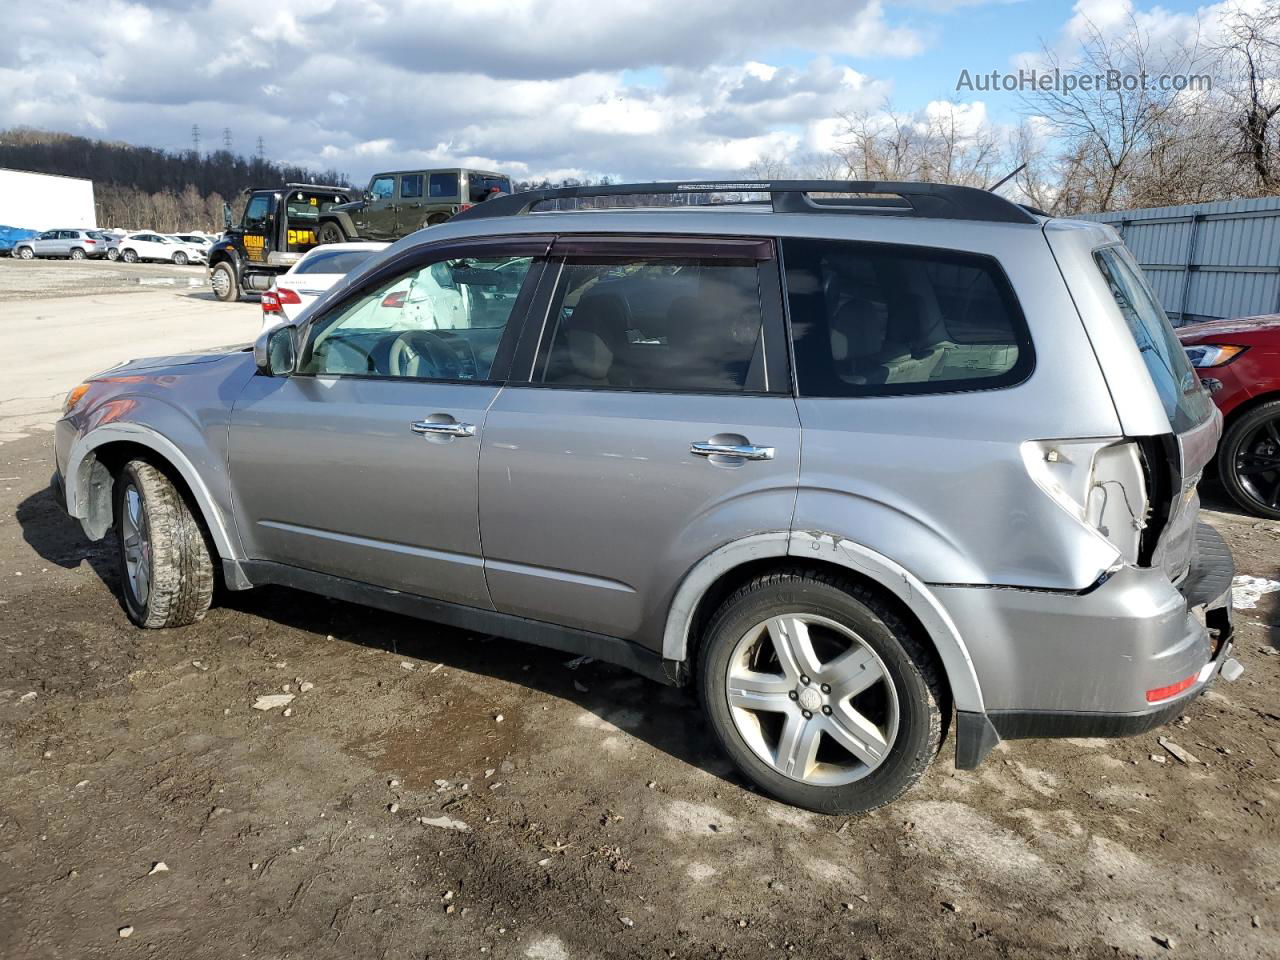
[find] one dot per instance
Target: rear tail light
(1164, 693)
(285, 295)
(464, 206)
(394, 299)
(274, 299)
(270, 302)
(1102, 483)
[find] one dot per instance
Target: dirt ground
(571, 811)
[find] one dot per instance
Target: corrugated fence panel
(1207, 260)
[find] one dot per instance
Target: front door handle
(743, 451)
(451, 428)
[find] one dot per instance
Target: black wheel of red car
(1249, 460)
(330, 232)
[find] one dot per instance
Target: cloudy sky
(636, 89)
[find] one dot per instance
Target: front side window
(441, 321)
(444, 185)
(256, 213)
(411, 186)
(1175, 380)
(648, 324)
(879, 320)
(382, 188)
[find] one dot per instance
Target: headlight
(74, 397)
(1208, 355)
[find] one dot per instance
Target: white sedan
(315, 272)
(155, 246)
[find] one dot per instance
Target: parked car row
(82, 244)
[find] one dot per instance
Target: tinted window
(256, 213)
(442, 321)
(1184, 401)
(876, 320)
(333, 261)
(688, 325)
(411, 186)
(444, 185)
(382, 187)
(479, 186)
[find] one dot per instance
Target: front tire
(820, 693)
(180, 259)
(1249, 461)
(166, 572)
(26, 253)
(222, 278)
(330, 232)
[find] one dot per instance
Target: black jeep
(279, 225)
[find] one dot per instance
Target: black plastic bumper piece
(1212, 569)
(976, 737)
(1030, 724)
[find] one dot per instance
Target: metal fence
(1207, 260)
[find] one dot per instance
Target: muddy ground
(600, 820)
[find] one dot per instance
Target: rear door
(648, 422)
(411, 214)
(381, 427)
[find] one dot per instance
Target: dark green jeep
(398, 203)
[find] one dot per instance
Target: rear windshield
(1185, 402)
(872, 319)
(333, 261)
(479, 185)
(305, 205)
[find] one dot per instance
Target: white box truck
(40, 201)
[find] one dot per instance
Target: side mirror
(275, 352)
(226, 215)
(367, 197)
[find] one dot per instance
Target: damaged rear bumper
(1080, 665)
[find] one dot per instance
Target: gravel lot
(599, 820)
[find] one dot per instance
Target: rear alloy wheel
(222, 278)
(77, 254)
(165, 565)
(26, 253)
(330, 232)
(820, 693)
(180, 258)
(1249, 461)
(129, 256)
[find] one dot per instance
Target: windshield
(1175, 380)
(333, 261)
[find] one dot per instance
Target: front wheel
(180, 259)
(330, 232)
(26, 253)
(1249, 461)
(166, 570)
(820, 693)
(223, 280)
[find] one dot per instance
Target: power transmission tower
(226, 138)
(195, 138)
(262, 150)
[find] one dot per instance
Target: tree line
(1099, 147)
(147, 188)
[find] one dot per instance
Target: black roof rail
(937, 201)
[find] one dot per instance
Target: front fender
(343, 219)
(966, 691)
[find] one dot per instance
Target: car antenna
(1000, 183)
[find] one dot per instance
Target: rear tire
(180, 259)
(792, 728)
(222, 278)
(26, 253)
(330, 232)
(166, 572)
(1249, 461)
(113, 254)
(129, 256)
(77, 254)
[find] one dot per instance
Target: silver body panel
(585, 507)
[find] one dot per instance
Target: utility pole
(195, 138)
(226, 139)
(262, 150)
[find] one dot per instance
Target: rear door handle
(743, 451)
(431, 428)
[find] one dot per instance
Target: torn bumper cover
(1095, 664)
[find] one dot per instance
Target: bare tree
(1249, 79)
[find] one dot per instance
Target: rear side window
(411, 186)
(1175, 381)
(693, 326)
(443, 185)
(333, 261)
(881, 320)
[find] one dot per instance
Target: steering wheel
(421, 353)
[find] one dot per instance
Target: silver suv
(854, 459)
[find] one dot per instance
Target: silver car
(861, 461)
(72, 244)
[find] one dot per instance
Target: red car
(1239, 363)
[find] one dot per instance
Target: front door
(46, 244)
(377, 221)
(655, 424)
(363, 463)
